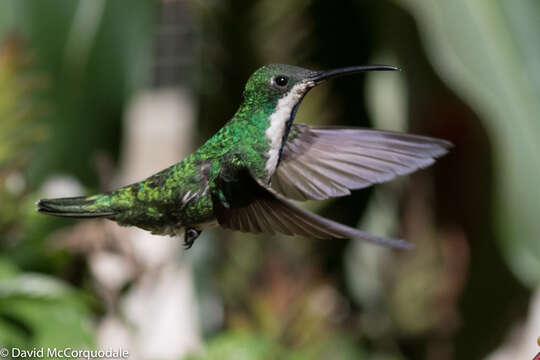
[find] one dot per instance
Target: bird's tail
(77, 207)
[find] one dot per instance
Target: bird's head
(282, 87)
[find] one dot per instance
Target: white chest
(278, 121)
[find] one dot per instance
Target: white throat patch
(278, 119)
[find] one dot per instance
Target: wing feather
(324, 162)
(270, 212)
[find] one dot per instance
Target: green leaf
(241, 346)
(252, 346)
(488, 52)
(39, 310)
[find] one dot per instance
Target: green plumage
(181, 195)
(240, 177)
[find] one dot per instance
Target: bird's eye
(281, 80)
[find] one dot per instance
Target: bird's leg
(190, 236)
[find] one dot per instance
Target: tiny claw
(190, 236)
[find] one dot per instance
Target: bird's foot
(190, 236)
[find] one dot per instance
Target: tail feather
(75, 207)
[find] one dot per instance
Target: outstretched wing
(324, 162)
(265, 211)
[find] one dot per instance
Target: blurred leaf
(35, 309)
(94, 56)
(241, 346)
(250, 346)
(18, 110)
(488, 51)
(336, 347)
(39, 310)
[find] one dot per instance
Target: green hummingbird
(245, 176)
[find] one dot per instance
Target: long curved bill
(320, 76)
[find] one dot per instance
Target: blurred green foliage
(492, 60)
(19, 127)
(93, 62)
(35, 309)
(470, 75)
(247, 346)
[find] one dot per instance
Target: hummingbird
(247, 176)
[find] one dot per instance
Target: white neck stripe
(278, 119)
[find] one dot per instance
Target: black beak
(320, 76)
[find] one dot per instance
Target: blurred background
(95, 94)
